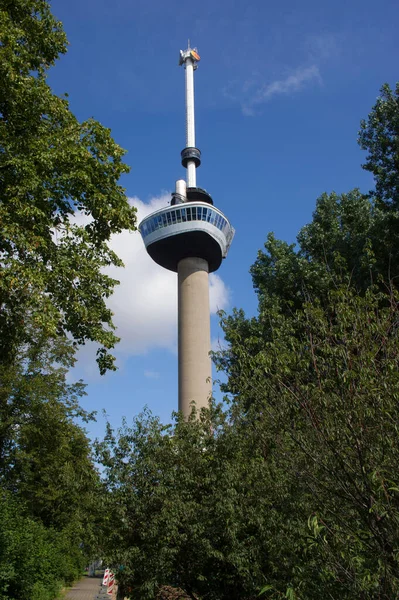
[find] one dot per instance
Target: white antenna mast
(191, 156)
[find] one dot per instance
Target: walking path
(88, 588)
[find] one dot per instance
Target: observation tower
(190, 237)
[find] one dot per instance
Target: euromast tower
(190, 237)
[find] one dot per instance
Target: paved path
(88, 588)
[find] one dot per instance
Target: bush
(35, 562)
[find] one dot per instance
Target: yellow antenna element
(195, 55)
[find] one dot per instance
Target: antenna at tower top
(191, 54)
(191, 156)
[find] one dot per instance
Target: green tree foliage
(187, 509)
(35, 561)
(379, 135)
(323, 395)
(317, 367)
(46, 467)
(44, 455)
(60, 200)
(339, 246)
(352, 239)
(294, 492)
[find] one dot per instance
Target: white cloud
(151, 374)
(264, 81)
(326, 46)
(294, 82)
(145, 302)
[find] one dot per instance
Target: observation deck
(190, 229)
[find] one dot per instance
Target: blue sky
(280, 92)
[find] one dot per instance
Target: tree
(316, 371)
(60, 200)
(352, 237)
(350, 241)
(35, 561)
(341, 245)
(379, 135)
(322, 395)
(293, 491)
(49, 487)
(190, 508)
(45, 455)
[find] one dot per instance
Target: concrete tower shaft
(194, 334)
